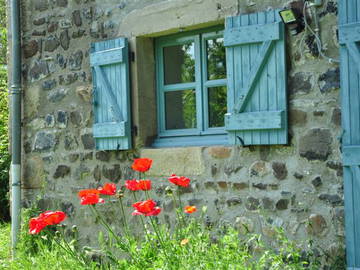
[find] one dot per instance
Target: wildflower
(135, 185)
(184, 242)
(85, 192)
(90, 196)
(179, 180)
(190, 209)
(108, 189)
(146, 208)
(37, 224)
(52, 218)
(132, 185)
(145, 184)
(141, 164)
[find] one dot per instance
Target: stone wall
(298, 187)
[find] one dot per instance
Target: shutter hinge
(132, 56)
(134, 130)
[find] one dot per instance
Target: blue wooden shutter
(256, 76)
(111, 94)
(349, 39)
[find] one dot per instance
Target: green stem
(141, 217)
(69, 250)
(127, 232)
(181, 207)
(68, 246)
(107, 226)
(158, 234)
(122, 245)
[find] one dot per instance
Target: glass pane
(180, 109)
(217, 106)
(179, 63)
(216, 62)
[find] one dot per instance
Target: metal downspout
(15, 116)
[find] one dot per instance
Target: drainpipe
(15, 116)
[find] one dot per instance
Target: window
(191, 88)
(192, 92)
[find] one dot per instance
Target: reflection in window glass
(179, 63)
(216, 62)
(217, 106)
(180, 109)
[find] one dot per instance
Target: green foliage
(4, 141)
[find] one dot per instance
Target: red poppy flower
(146, 208)
(190, 209)
(86, 192)
(135, 185)
(37, 224)
(141, 164)
(179, 180)
(132, 185)
(91, 198)
(52, 218)
(145, 184)
(107, 189)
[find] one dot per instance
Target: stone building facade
(298, 186)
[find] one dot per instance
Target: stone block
(297, 117)
(330, 80)
(240, 186)
(316, 144)
(44, 141)
(282, 204)
(300, 83)
(62, 171)
(252, 203)
(279, 170)
(34, 174)
(219, 152)
(30, 48)
(51, 43)
(180, 161)
(259, 168)
(88, 141)
(65, 39)
(316, 224)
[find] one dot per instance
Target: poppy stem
(157, 232)
(141, 217)
(107, 226)
(126, 228)
(69, 250)
(181, 207)
(68, 246)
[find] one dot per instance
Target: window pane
(180, 109)
(179, 63)
(216, 62)
(217, 106)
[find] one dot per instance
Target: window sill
(187, 141)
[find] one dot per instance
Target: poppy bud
(169, 191)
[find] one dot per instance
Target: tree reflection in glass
(216, 62)
(179, 63)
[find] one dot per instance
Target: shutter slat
(349, 33)
(349, 21)
(255, 72)
(252, 34)
(112, 125)
(254, 120)
(256, 83)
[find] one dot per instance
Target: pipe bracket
(15, 89)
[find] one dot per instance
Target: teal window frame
(202, 134)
